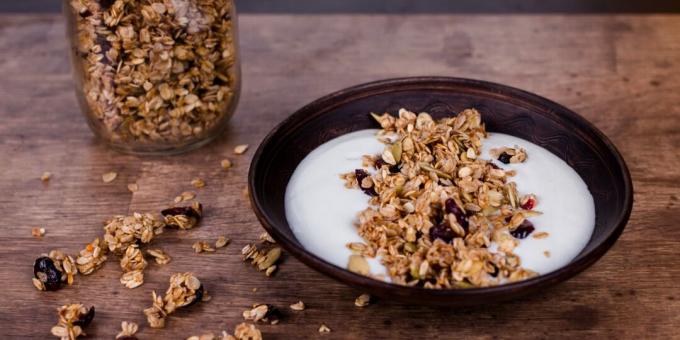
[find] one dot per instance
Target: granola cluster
(439, 215)
(53, 269)
(264, 260)
(185, 290)
(72, 319)
(123, 236)
(263, 313)
(156, 70)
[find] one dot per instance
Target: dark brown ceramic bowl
(504, 109)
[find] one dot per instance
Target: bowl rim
(324, 104)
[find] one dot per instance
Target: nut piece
(324, 329)
(298, 306)
(222, 241)
(46, 176)
(109, 177)
(133, 187)
(358, 264)
(202, 246)
(363, 300)
(264, 261)
(226, 164)
(198, 183)
(241, 149)
(37, 232)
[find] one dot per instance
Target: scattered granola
(159, 256)
(52, 270)
(265, 261)
(263, 313)
(241, 149)
(185, 196)
(156, 72)
(198, 183)
(46, 176)
(37, 232)
(363, 300)
(435, 208)
(246, 331)
(133, 187)
(265, 237)
(128, 331)
(185, 290)
(202, 246)
(298, 306)
(123, 231)
(73, 318)
(222, 241)
(226, 164)
(546, 253)
(324, 329)
(92, 257)
(109, 177)
(183, 217)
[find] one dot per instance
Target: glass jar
(155, 76)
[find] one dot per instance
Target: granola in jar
(156, 76)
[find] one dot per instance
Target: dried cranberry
(443, 232)
(187, 211)
(493, 165)
(86, 319)
(392, 168)
(45, 271)
(360, 174)
(504, 158)
(495, 270)
(197, 298)
(523, 230)
(452, 208)
(529, 204)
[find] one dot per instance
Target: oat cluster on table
(158, 70)
(265, 313)
(185, 290)
(123, 237)
(436, 207)
(262, 258)
(73, 319)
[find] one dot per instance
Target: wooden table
(620, 72)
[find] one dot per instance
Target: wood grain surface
(620, 72)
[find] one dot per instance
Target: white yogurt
(322, 213)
